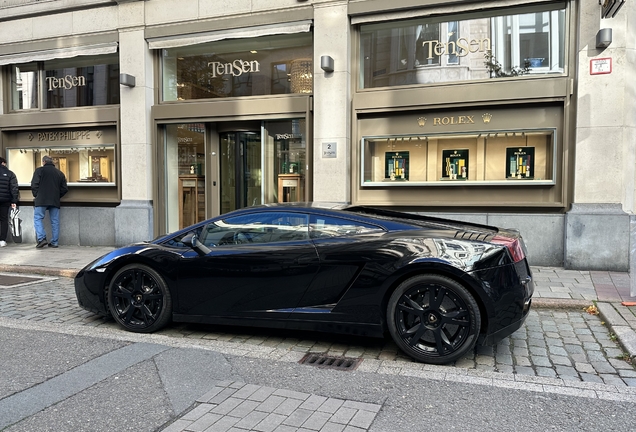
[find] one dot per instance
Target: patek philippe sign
(105, 135)
(236, 68)
(66, 82)
(65, 135)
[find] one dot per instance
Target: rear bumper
(493, 338)
(510, 289)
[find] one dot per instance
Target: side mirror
(192, 240)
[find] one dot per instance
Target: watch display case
(488, 158)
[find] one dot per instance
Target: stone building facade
(515, 113)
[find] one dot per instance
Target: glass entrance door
(240, 170)
(185, 183)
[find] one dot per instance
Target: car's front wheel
(433, 319)
(139, 299)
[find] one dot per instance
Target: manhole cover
(16, 280)
(331, 362)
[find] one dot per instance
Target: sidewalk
(555, 287)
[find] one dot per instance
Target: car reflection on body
(437, 287)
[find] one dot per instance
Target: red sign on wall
(601, 66)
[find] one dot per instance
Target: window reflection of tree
(426, 37)
(195, 80)
(280, 78)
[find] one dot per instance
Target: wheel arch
(442, 270)
(114, 267)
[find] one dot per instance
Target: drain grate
(330, 362)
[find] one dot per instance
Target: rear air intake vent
(469, 235)
(330, 362)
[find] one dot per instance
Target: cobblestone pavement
(568, 344)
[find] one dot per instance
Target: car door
(259, 265)
(345, 247)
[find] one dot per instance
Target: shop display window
(494, 157)
(82, 165)
(66, 83)
(266, 65)
(461, 47)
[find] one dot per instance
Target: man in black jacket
(48, 185)
(9, 196)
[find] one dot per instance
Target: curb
(38, 270)
(625, 334)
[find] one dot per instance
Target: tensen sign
(236, 68)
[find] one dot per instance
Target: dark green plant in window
(497, 70)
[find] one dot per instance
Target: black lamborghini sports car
(436, 286)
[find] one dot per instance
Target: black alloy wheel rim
(137, 299)
(432, 320)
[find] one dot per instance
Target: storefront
(64, 103)
(234, 121)
(467, 112)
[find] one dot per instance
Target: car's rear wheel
(433, 319)
(139, 299)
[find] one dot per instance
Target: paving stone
(603, 367)
(523, 361)
(541, 361)
(588, 377)
(504, 359)
(557, 351)
(546, 372)
(586, 368)
(568, 371)
(591, 346)
(574, 349)
(524, 370)
(538, 351)
(561, 360)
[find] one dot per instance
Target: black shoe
(41, 243)
(52, 245)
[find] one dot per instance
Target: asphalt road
(64, 369)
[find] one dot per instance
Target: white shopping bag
(16, 225)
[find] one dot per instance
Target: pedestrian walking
(48, 185)
(9, 196)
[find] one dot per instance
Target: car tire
(139, 299)
(433, 319)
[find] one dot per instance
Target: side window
(255, 228)
(176, 241)
(326, 226)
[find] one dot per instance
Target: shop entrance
(212, 168)
(240, 170)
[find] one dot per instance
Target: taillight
(513, 246)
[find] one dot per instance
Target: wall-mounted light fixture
(326, 63)
(127, 80)
(604, 38)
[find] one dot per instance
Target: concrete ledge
(550, 303)
(46, 271)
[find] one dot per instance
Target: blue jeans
(38, 218)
